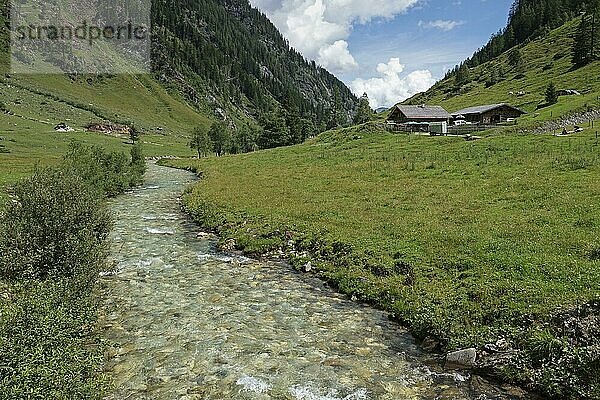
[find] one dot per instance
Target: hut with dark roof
(402, 114)
(489, 114)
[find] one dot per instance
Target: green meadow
(34, 105)
(465, 242)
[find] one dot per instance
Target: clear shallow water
(187, 322)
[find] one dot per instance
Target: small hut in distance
(489, 114)
(402, 114)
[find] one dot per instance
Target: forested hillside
(4, 38)
(235, 53)
(528, 20)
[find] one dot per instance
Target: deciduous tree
(201, 142)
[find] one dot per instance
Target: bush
(47, 350)
(137, 166)
(53, 244)
(55, 226)
(112, 173)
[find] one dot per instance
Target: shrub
(55, 226)
(45, 346)
(137, 166)
(112, 173)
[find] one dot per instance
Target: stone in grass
(308, 267)
(462, 358)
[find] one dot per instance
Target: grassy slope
(461, 240)
(552, 51)
(38, 103)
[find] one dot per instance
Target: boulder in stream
(462, 358)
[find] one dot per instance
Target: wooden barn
(490, 114)
(402, 114)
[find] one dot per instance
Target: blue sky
(389, 48)
(426, 47)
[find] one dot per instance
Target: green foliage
(53, 244)
(245, 139)
(275, 132)
(54, 226)
(551, 94)
(364, 113)
(338, 116)
(137, 166)
(515, 57)
(220, 136)
(134, 133)
(201, 142)
(110, 172)
(4, 37)
(587, 40)
(47, 350)
(463, 75)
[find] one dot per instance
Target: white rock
(308, 267)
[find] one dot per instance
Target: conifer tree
(551, 94)
(586, 43)
(364, 112)
(463, 75)
(580, 52)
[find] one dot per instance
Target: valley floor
(489, 244)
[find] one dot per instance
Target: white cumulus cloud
(391, 86)
(337, 56)
(319, 29)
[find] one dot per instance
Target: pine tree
(463, 75)
(364, 113)
(580, 51)
(551, 94)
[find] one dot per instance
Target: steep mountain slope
(212, 60)
(544, 60)
(528, 20)
(4, 38)
(234, 55)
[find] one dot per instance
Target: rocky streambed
(185, 321)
